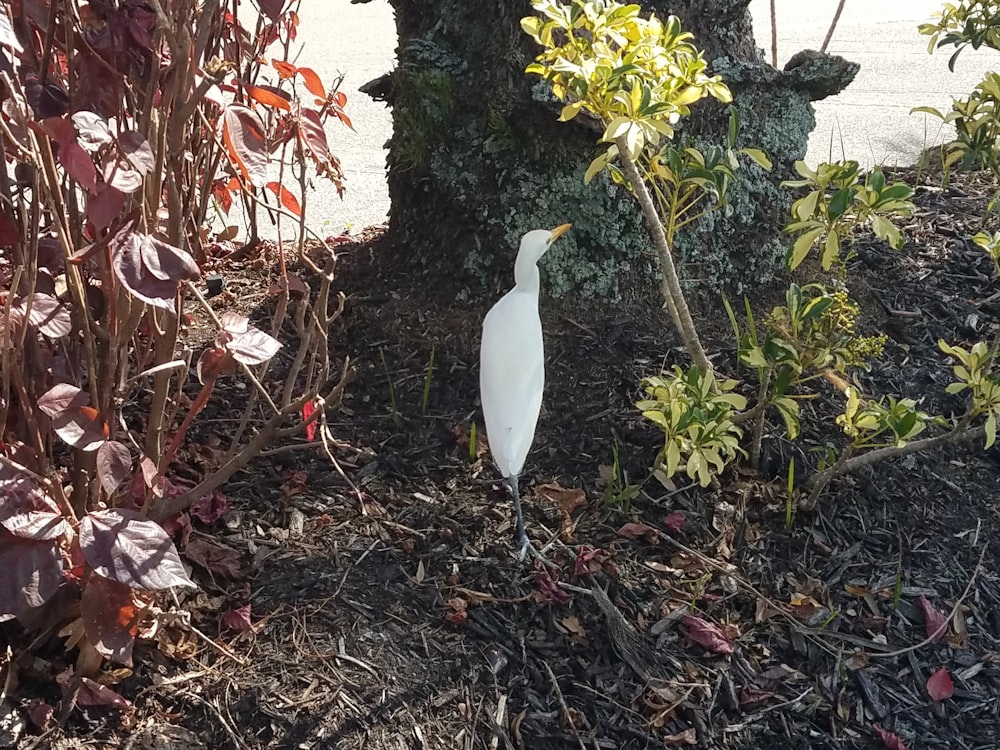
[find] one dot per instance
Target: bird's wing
(511, 379)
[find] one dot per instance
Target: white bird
(512, 369)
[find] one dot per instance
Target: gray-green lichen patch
(477, 159)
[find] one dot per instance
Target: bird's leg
(524, 544)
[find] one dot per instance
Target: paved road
(869, 122)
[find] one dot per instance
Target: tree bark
(477, 158)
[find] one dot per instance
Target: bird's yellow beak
(558, 232)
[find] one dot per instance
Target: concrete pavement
(870, 121)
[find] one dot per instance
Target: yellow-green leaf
(831, 250)
(803, 245)
(673, 457)
(758, 157)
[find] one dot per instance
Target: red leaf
(286, 196)
(549, 588)
(639, 531)
(342, 116)
(110, 618)
(244, 135)
(114, 464)
(934, 622)
(272, 8)
(313, 83)
(59, 129)
(707, 634)
(32, 572)
(41, 714)
(269, 97)
(9, 232)
(675, 522)
(79, 165)
(308, 409)
(891, 740)
(103, 207)
(214, 557)
(584, 564)
(285, 69)
(210, 508)
(213, 362)
(223, 195)
(95, 694)
(122, 545)
(939, 685)
(314, 136)
(238, 619)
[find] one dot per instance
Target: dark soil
(394, 615)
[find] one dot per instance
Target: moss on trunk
(477, 158)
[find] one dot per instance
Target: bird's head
(536, 242)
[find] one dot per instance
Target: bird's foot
(527, 548)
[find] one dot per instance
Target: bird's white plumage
(512, 377)
(512, 365)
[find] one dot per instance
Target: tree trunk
(477, 158)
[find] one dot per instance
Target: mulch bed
(394, 615)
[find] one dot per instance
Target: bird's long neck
(526, 274)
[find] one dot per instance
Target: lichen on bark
(477, 159)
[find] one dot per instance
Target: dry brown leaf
(564, 498)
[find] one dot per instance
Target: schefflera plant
(637, 77)
(695, 413)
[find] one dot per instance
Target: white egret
(512, 369)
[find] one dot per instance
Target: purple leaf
(166, 262)
(92, 131)
(114, 464)
(29, 513)
(156, 285)
(79, 165)
(939, 685)
(247, 344)
(244, 135)
(707, 634)
(934, 622)
(214, 557)
(62, 397)
(210, 508)
(48, 315)
(238, 619)
(32, 572)
(123, 546)
(119, 175)
(136, 149)
(109, 618)
(80, 429)
(272, 8)
(103, 207)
